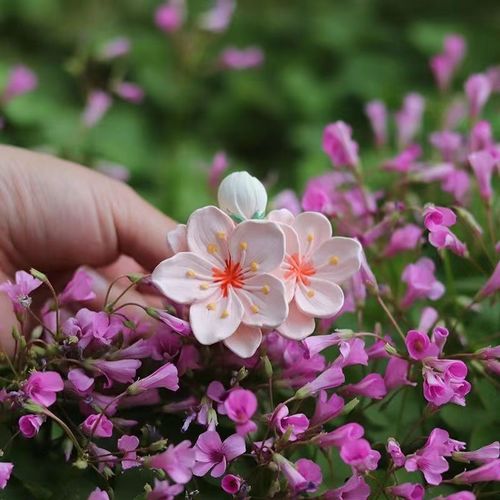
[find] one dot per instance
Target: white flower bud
(242, 196)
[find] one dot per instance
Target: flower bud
(242, 196)
(268, 367)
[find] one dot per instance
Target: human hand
(56, 216)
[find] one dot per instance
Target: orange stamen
(230, 276)
(299, 268)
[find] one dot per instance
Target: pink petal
(233, 447)
(183, 278)
(216, 318)
(291, 239)
(282, 215)
(201, 468)
(313, 229)
(263, 299)
(337, 259)
(208, 231)
(220, 468)
(258, 244)
(244, 341)
(297, 325)
(177, 239)
(208, 442)
(320, 299)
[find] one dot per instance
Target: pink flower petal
(320, 298)
(313, 229)
(183, 278)
(244, 341)
(297, 325)
(177, 239)
(282, 215)
(259, 246)
(263, 299)
(208, 231)
(337, 259)
(216, 318)
(233, 447)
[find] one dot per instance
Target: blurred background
(152, 90)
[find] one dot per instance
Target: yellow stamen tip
(310, 293)
(190, 273)
(204, 286)
(254, 266)
(266, 289)
(224, 314)
(310, 237)
(334, 260)
(212, 248)
(254, 308)
(243, 245)
(211, 306)
(221, 235)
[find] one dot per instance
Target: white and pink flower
(314, 264)
(225, 278)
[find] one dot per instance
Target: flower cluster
(269, 358)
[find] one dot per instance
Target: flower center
(230, 276)
(299, 268)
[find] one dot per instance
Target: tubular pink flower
(238, 59)
(20, 80)
(294, 478)
(394, 450)
(448, 143)
(487, 472)
(371, 386)
(19, 292)
(98, 425)
(163, 490)
(352, 352)
(98, 494)
(407, 491)
(341, 435)
(419, 345)
(483, 164)
(403, 239)
(128, 445)
(165, 377)
(339, 146)
(117, 47)
(29, 425)
(217, 19)
(240, 406)
(331, 377)
(79, 289)
(231, 484)
(169, 16)
(461, 495)
(220, 164)
(355, 488)
(481, 136)
(314, 264)
(437, 217)
(213, 454)
(121, 371)
(225, 278)
(297, 423)
(98, 103)
(493, 284)
(404, 161)
(327, 409)
(287, 200)
(396, 373)
(377, 114)
(485, 454)
(478, 90)
(42, 387)
(311, 472)
(421, 282)
(359, 455)
(130, 92)
(409, 118)
(177, 461)
(5, 472)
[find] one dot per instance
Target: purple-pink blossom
(240, 407)
(213, 454)
(19, 291)
(29, 425)
(339, 146)
(177, 461)
(98, 425)
(42, 387)
(421, 282)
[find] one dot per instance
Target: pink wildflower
(240, 406)
(377, 114)
(117, 47)
(98, 494)
(493, 284)
(29, 425)
(407, 491)
(128, 445)
(177, 461)
(419, 345)
(355, 488)
(339, 146)
(478, 90)
(403, 239)
(170, 15)
(487, 472)
(220, 164)
(394, 450)
(421, 282)
(238, 59)
(79, 289)
(231, 484)
(359, 455)
(5, 472)
(19, 292)
(310, 471)
(327, 409)
(130, 92)
(217, 19)
(341, 435)
(163, 490)
(483, 164)
(165, 377)
(409, 118)
(42, 387)
(482, 455)
(295, 424)
(371, 386)
(98, 425)
(20, 80)
(98, 103)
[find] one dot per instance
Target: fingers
(141, 229)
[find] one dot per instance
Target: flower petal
(219, 468)
(257, 246)
(320, 298)
(313, 229)
(263, 299)
(177, 239)
(297, 325)
(216, 318)
(282, 215)
(208, 231)
(184, 278)
(233, 447)
(244, 341)
(337, 259)
(201, 468)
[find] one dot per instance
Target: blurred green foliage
(324, 59)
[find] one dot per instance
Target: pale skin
(56, 216)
